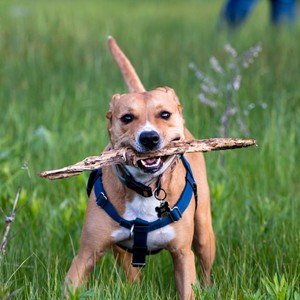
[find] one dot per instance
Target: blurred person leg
(235, 12)
(283, 11)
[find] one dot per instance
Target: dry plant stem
(130, 157)
(8, 221)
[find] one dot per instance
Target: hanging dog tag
(163, 210)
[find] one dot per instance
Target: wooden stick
(130, 157)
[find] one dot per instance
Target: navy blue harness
(139, 227)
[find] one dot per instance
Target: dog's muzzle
(149, 140)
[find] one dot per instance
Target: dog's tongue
(150, 161)
(151, 164)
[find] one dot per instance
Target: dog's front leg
(81, 267)
(184, 272)
(95, 241)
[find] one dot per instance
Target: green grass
(56, 80)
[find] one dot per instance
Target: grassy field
(56, 80)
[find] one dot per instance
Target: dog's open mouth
(152, 165)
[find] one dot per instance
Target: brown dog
(155, 206)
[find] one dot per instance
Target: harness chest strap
(140, 228)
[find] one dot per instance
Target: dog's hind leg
(124, 259)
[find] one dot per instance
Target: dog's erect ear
(114, 98)
(109, 115)
(130, 76)
(171, 92)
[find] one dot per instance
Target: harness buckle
(101, 200)
(175, 214)
(131, 231)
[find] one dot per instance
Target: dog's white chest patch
(144, 208)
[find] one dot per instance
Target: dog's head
(146, 121)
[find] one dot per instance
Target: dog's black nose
(149, 139)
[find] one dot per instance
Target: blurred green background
(56, 81)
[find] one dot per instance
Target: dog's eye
(127, 118)
(165, 115)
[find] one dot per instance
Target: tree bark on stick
(130, 157)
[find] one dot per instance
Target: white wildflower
(209, 89)
(198, 73)
(216, 65)
(230, 111)
(251, 106)
(250, 55)
(263, 105)
(192, 66)
(235, 83)
(203, 99)
(229, 49)
(223, 88)
(25, 165)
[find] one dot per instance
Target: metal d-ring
(157, 192)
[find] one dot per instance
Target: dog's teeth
(151, 162)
